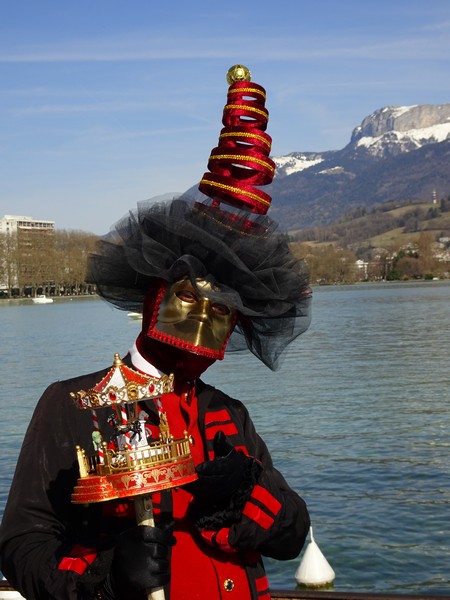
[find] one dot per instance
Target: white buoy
(314, 570)
(10, 595)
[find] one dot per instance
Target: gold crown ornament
(238, 73)
(129, 465)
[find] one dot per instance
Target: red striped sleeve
(218, 416)
(218, 539)
(254, 513)
(262, 588)
(219, 420)
(79, 560)
(270, 503)
(262, 507)
(227, 428)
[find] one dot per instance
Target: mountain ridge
(395, 153)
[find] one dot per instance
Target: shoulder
(210, 399)
(57, 396)
(79, 382)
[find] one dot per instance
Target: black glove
(223, 486)
(219, 479)
(141, 562)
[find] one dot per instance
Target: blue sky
(106, 103)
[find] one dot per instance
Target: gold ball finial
(238, 73)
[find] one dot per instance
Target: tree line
(332, 251)
(332, 264)
(52, 263)
(55, 263)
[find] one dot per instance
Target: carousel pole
(97, 437)
(144, 516)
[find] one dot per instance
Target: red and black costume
(53, 549)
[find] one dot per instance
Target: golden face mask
(188, 319)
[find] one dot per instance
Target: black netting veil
(249, 262)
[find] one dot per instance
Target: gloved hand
(219, 479)
(141, 561)
(223, 486)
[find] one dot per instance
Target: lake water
(357, 418)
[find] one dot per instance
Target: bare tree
(72, 249)
(8, 262)
(41, 261)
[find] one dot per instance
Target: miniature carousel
(126, 464)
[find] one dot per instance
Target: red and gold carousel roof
(122, 385)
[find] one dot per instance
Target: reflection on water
(357, 418)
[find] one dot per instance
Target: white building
(28, 232)
(13, 223)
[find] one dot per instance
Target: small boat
(135, 316)
(42, 299)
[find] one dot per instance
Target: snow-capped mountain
(389, 131)
(395, 129)
(398, 152)
(295, 162)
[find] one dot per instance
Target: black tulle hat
(236, 247)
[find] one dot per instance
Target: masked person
(206, 278)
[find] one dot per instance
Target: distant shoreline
(96, 297)
(56, 299)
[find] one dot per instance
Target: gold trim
(246, 107)
(228, 585)
(242, 134)
(250, 89)
(242, 157)
(231, 188)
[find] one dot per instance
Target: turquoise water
(357, 418)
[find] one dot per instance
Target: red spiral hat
(241, 160)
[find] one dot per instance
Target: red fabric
(118, 509)
(222, 540)
(249, 89)
(238, 136)
(246, 226)
(228, 429)
(217, 416)
(226, 162)
(254, 513)
(219, 421)
(218, 539)
(191, 555)
(174, 406)
(262, 584)
(266, 498)
(241, 160)
(262, 588)
(235, 193)
(79, 560)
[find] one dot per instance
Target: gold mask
(188, 319)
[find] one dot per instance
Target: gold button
(228, 585)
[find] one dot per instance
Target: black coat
(41, 525)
